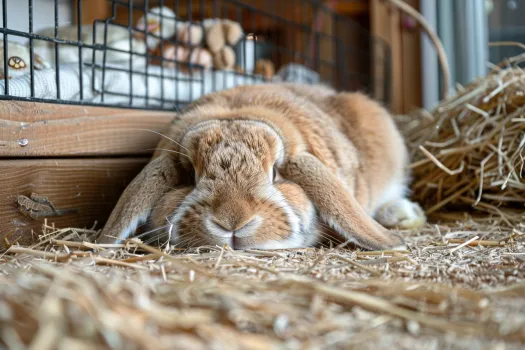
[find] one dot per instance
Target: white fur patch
(251, 227)
(186, 205)
(132, 226)
(395, 191)
(401, 213)
(216, 230)
(299, 236)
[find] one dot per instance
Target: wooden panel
(352, 8)
(411, 54)
(30, 129)
(411, 48)
(386, 23)
(91, 10)
(91, 186)
(380, 28)
(397, 61)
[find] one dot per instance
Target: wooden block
(92, 186)
(29, 129)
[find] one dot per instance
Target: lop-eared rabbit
(272, 166)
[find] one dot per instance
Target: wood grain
(380, 28)
(62, 130)
(92, 186)
(397, 60)
(412, 90)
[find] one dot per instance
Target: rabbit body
(274, 166)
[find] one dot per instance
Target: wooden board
(380, 28)
(91, 10)
(397, 60)
(352, 8)
(29, 129)
(92, 186)
(412, 89)
(387, 24)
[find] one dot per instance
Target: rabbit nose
(248, 228)
(227, 229)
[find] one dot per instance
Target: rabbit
(268, 166)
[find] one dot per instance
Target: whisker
(167, 150)
(161, 134)
(148, 232)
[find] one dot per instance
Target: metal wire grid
(337, 71)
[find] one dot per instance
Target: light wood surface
(30, 129)
(92, 186)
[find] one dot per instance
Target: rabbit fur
(273, 166)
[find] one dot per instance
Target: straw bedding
(439, 294)
(460, 284)
(470, 151)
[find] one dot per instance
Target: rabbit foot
(401, 213)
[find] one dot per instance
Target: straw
(470, 154)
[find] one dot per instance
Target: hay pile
(470, 151)
(66, 294)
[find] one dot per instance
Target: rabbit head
(238, 197)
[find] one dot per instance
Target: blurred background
(370, 46)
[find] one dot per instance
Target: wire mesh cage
(164, 54)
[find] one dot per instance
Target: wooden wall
(404, 40)
(80, 157)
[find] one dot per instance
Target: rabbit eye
(193, 178)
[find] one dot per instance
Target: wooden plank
(91, 186)
(92, 10)
(29, 129)
(380, 29)
(397, 61)
(352, 8)
(411, 47)
(386, 24)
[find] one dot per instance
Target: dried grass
(469, 152)
(458, 287)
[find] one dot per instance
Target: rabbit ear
(338, 208)
(139, 198)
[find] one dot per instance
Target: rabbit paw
(401, 213)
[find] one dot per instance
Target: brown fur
(342, 151)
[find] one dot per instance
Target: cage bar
(166, 83)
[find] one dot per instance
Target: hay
(456, 287)
(469, 153)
